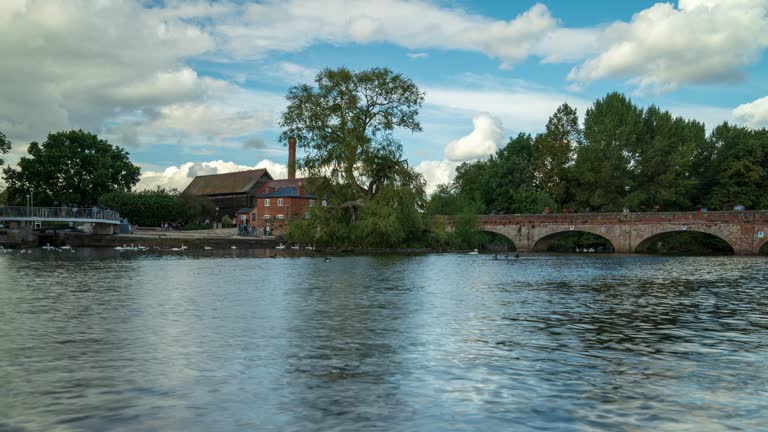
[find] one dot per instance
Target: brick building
(256, 195)
(232, 191)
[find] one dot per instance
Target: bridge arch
(644, 244)
(503, 231)
(763, 250)
(543, 243)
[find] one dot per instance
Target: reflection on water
(97, 340)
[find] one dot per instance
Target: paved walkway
(221, 233)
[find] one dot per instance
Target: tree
(662, 174)
(5, 146)
(154, 207)
(71, 167)
(738, 168)
(603, 167)
(555, 152)
(345, 125)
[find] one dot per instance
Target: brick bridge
(745, 231)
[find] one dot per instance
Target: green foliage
(70, 167)
(379, 226)
(667, 163)
(466, 234)
(345, 126)
(555, 151)
(5, 146)
(4, 197)
(300, 231)
(226, 221)
(738, 171)
(154, 207)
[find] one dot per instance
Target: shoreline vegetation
(349, 126)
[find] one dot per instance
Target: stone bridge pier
(745, 231)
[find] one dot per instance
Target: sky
(197, 87)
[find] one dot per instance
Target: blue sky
(196, 87)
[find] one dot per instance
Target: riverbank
(219, 239)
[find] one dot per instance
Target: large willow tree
(345, 125)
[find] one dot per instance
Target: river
(96, 340)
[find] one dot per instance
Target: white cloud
(180, 176)
(664, 47)
(482, 142)
(753, 114)
(292, 73)
(255, 29)
(437, 172)
(73, 63)
(417, 55)
(519, 109)
(199, 118)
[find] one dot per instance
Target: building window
(279, 202)
(267, 217)
(311, 203)
(281, 217)
(266, 202)
(253, 217)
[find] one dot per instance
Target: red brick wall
(291, 208)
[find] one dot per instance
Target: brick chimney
(291, 158)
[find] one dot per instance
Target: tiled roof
(217, 184)
(277, 184)
(286, 192)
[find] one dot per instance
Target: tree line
(79, 168)
(622, 156)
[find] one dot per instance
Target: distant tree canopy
(5, 146)
(623, 155)
(72, 167)
(154, 207)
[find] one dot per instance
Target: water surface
(97, 340)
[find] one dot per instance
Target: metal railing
(57, 213)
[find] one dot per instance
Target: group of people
(251, 231)
(171, 226)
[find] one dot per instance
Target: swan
(295, 247)
(48, 247)
(474, 252)
(233, 247)
(66, 247)
(207, 248)
(280, 246)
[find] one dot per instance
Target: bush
(465, 233)
(226, 221)
(154, 207)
